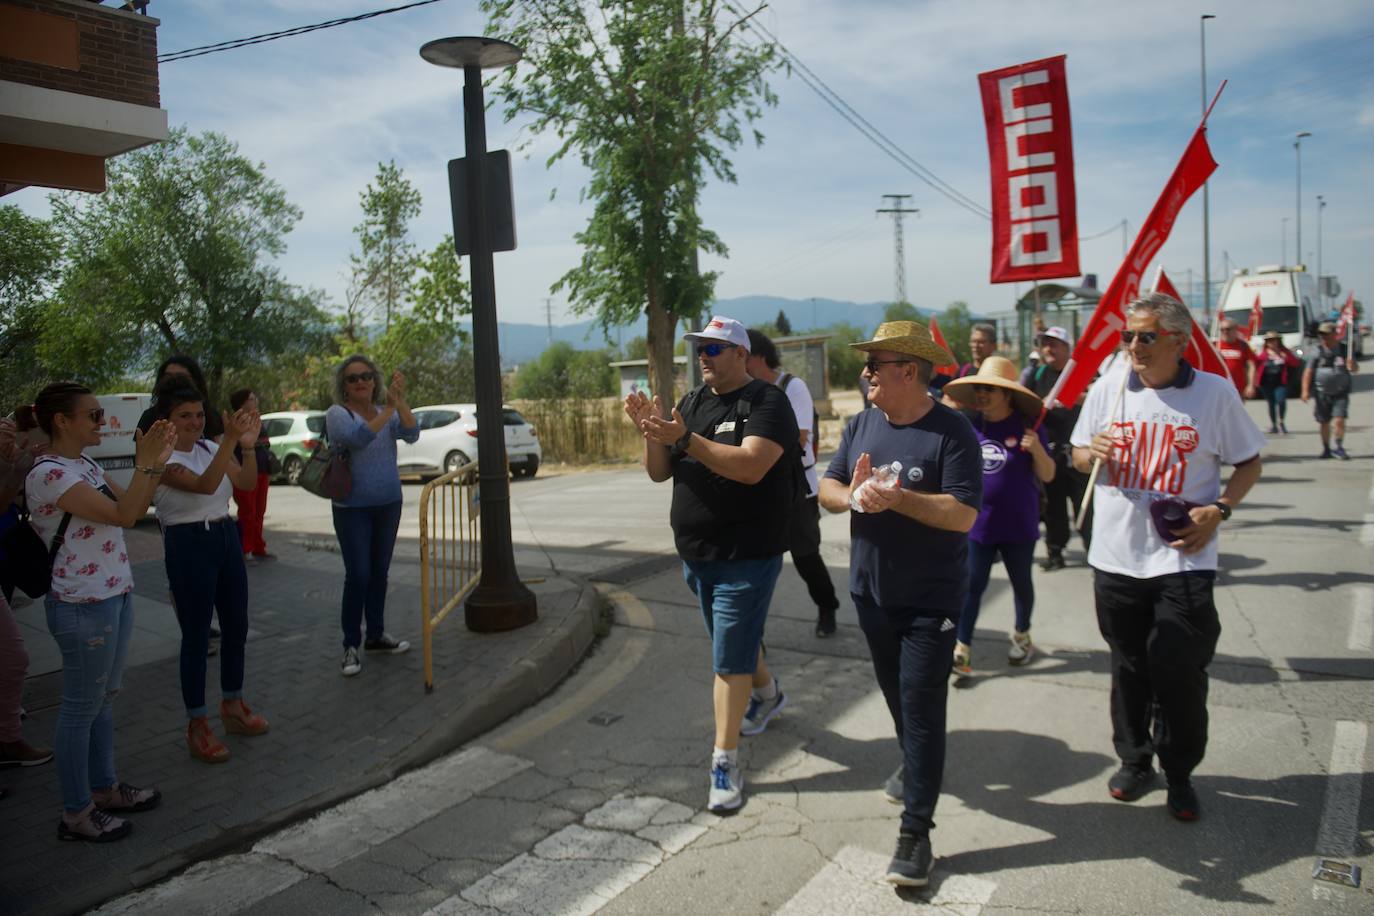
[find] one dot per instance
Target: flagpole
(1097, 462)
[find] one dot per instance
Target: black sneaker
(910, 865)
(1183, 803)
(895, 789)
(825, 622)
(1129, 783)
(1326, 453)
(386, 643)
(1054, 561)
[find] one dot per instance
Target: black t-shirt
(718, 519)
(1060, 421)
(896, 561)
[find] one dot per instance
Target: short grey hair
(1171, 314)
(341, 390)
(925, 369)
(986, 328)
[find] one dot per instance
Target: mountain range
(521, 343)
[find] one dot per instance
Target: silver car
(448, 440)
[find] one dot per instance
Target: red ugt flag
(1347, 318)
(939, 339)
(1201, 352)
(1103, 331)
(1256, 318)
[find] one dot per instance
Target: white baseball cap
(726, 330)
(1057, 333)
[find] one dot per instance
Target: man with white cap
(1063, 494)
(908, 566)
(731, 450)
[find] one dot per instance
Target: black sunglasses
(97, 414)
(1146, 337)
(354, 377)
(713, 349)
(873, 364)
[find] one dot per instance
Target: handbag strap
(59, 539)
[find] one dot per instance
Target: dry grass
(582, 430)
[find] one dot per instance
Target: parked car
(293, 435)
(115, 453)
(448, 439)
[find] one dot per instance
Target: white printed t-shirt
(178, 507)
(1174, 442)
(92, 564)
(799, 396)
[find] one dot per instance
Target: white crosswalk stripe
(853, 884)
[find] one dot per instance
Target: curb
(532, 677)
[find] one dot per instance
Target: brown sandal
(238, 719)
(202, 743)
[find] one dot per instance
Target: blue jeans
(913, 652)
(1017, 558)
(734, 597)
(1276, 395)
(205, 571)
(367, 538)
(94, 639)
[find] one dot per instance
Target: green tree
(30, 258)
(384, 268)
(845, 364)
(176, 256)
(782, 324)
(955, 325)
(902, 311)
(562, 372)
(650, 94)
(636, 348)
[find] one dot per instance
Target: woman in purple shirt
(1016, 462)
(366, 420)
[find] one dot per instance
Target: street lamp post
(1283, 235)
(1321, 284)
(1297, 149)
(500, 601)
(1206, 211)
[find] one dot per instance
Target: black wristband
(1225, 510)
(680, 446)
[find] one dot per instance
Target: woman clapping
(204, 560)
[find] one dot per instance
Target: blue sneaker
(727, 786)
(760, 711)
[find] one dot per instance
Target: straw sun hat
(909, 337)
(998, 372)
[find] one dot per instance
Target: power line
(862, 124)
(230, 45)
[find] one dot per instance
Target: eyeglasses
(873, 364)
(713, 349)
(354, 378)
(1146, 338)
(97, 415)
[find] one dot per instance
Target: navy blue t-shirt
(896, 561)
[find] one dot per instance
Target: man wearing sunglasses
(908, 560)
(1158, 503)
(731, 449)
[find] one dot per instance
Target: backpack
(814, 439)
(27, 562)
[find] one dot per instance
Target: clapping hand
(396, 390)
(153, 448)
(239, 424)
(638, 408)
(660, 430)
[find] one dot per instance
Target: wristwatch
(680, 446)
(1224, 509)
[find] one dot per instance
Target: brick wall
(116, 50)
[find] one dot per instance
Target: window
(436, 419)
(315, 423)
(277, 426)
(511, 417)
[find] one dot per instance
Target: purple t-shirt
(1011, 499)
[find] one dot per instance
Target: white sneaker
(727, 786)
(351, 663)
(758, 714)
(1022, 650)
(963, 660)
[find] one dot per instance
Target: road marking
(853, 884)
(229, 885)
(1338, 832)
(1367, 530)
(583, 867)
(370, 819)
(636, 646)
(1362, 620)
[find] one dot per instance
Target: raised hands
(638, 408)
(153, 448)
(396, 390)
(242, 426)
(660, 430)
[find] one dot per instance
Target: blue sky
(322, 109)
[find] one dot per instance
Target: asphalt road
(593, 800)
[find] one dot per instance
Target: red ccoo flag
(1252, 327)
(939, 339)
(1103, 331)
(1347, 318)
(1201, 352)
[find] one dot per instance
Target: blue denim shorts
(734, 597)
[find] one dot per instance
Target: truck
(1288, 301)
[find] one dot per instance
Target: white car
(448, 439)
(115, 453)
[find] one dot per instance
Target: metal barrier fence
(450, 555)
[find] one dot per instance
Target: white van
(1288, 298)
(115, 453)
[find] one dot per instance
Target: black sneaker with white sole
(386, 643)
(910, 865)
(895, 789)
(1130, 782)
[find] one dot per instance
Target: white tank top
(178, 507)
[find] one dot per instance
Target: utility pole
(1321, 284)
(1297, 152)
(898, 213)
(548, 314)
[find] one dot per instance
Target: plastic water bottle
(887, 476)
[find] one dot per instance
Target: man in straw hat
(1016, 462)
(908, 569)
(731, 450)
(1161, 435)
